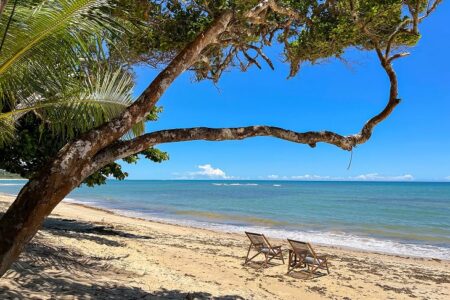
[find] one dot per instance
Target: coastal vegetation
(66, 78)
(7, 175)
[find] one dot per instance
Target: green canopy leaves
(309, 30)
(54, 65)
(69, 62)
(43, 66)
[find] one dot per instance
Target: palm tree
(53, 63)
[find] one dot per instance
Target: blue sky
(413, 144)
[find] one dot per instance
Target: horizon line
(278, 180)
(283, 180)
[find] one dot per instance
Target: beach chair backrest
(258, 240)
(299, 246)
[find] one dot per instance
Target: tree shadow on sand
(89, 231)
(60, 288)
(83, 230)
(52, 271)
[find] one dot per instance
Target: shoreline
(166, 222)
(91, 253)
(222, 228)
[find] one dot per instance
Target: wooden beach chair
(303, 255)
(262, 246)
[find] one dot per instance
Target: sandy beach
(87, 253)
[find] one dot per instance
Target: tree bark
(74, 162)
(2, 6)
(34, 203)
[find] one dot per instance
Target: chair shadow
(304, 274)
(259, 265)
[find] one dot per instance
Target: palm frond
(76, 110)
(49, 34)
(7, 130)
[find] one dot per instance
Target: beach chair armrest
(276, 247)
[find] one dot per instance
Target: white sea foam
(337, 239)
(343, 240)
(235, 184)
(71, 200)
(84, 202)
(12, 179)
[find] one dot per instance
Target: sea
(400, 218)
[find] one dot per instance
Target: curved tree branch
(432, 5)
(98, 138)
(123, 149)
(139, 144)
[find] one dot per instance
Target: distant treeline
(7, 175)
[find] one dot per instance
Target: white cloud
(447, 178)
(273, 176)
(362, 177)
(378, 177)
(208, 171)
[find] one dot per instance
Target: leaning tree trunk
(34, 203)
(75, 161)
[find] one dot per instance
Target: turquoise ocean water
(399, 218)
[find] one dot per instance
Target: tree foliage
(309, 31)
(57, 81)
(66, 65)
(35, 144)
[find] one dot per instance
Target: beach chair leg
(275, 256)
(282, 258)
(314, 269)
(328, 270)
(254, 256)
(310, 269)
(289, 263)
(293, 266)
(248, 253)
(264, 264)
